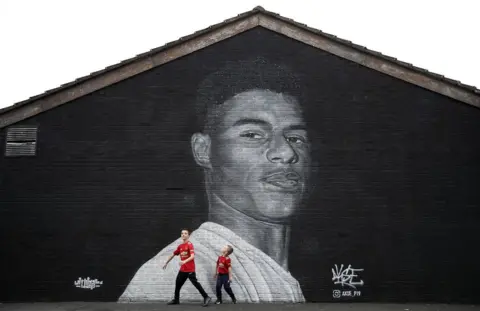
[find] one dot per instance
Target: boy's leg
(181, 278)
(219, 288)
(229, 291)
(192, 276)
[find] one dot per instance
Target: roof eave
(229, 28)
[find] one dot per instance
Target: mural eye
(296, 140)
(251, 135)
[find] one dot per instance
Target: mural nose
(282, 152)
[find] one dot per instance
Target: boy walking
(223, 274)
(187, 269)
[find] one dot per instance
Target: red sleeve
(229, 263)
(190, 247)
(218, 260)
(177, 251)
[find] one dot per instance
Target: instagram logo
(337, 293)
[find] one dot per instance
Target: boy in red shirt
(187, 269)
(223, 273)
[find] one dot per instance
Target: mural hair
(236, 77)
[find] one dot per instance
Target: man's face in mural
(257, 155)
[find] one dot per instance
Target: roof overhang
(258, 17)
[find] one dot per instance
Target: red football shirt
(185, 250)
(223, 263)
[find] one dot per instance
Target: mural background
(114, 181)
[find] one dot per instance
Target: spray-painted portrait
(254, 148)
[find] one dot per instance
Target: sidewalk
(102, 306)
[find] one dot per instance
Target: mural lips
(284, 180)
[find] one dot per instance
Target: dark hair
(240, 76)
(188, 230)
(230, 249)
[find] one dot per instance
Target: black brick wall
(397, 190)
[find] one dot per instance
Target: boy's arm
(229, 270)
(216, 269)
(168, 260)
(175, 253)
(192, 255)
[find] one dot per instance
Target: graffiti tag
(87, 283)
(346, 276)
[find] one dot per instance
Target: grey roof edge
(130, 60)
(472, 92)
(374, 53)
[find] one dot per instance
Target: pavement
(112, 306)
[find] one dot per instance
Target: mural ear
(201, 149)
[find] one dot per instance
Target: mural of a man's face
(257, 156)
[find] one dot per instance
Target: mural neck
(272, 239)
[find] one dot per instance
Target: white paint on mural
(87, 283)
(346, 277)
(257, 277)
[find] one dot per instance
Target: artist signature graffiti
(346, 277)
(87, 283)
